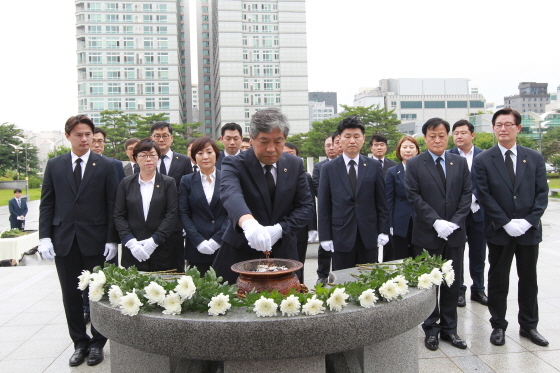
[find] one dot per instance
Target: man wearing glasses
(513, 191)
(378, 147)
(98, 147)
(175, 165)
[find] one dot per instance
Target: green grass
(554, 184)
(7, 194)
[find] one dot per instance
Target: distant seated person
(245, 144)
(146, 213)
(202, 214)
(18, 210)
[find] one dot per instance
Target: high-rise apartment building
(251, 55)
(532, 97)
(133, 56)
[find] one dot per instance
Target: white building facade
(319, 111)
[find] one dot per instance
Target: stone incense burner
(282, 280)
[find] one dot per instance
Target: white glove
(184, 233)
(312, 236)
(513, 229)
(443, 228)
(257, 235)
(391, 231)
(137, 250)
(523, 224)
(382, 239)
(110, 251)
(475, 207)
(46, 248)
(149, 245)
(275, 232)
(327, 245)
(204, 248)
(213, 244)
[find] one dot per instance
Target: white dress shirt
(167, 160)
(469, 156)
(512, 156)
(208, 186)
(85, 159)
(273, 170)
(146, 190)
(347, 160)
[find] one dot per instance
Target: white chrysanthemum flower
(84, 280)
(130, 304)
(337, 300)
(98, 278)
(172, 304)
(313, 306)
(389, 290)
(155, 293)
(436, 276)
(447, 266)
(96, 292)
(265, 307)
(449, 278)
(219, 305)
(290, 306)
(185, 287)
(368, 298)
(425, 281)
(402, 284)
(115, 295)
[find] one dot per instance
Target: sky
(351, 44)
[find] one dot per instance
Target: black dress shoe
(95, 356)
(498, 337)
(87, 319)
(461, 302)
(431, 342)
(479, 296)
(455, 340)
(78, 357)
(534, 336)
(322, 280)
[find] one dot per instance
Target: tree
(58, 151)
(119, 128)
(311, 143)
(551, 143)
(12, 158)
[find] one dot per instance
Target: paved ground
(34, 336)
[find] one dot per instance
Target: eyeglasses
(146, 156)
(329, 146)
(157, 137)
(100, 142)
(379, 145)
(507, 125)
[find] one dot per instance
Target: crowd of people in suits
(213, 208)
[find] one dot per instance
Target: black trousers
(402, 246)
(302, 252)
(323, 262)
(69, 267)
(358, 255)
(477, 254)
(446, 296)
(500, 258)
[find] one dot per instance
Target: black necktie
(509, 166)
(162, 168)
(352, 175)
(78, 173)
(19, 203)
(440, 170)
(195, 168)
(270, 182)
(136, 168)
(381, 161)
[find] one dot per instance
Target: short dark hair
(161, 125)
(129, 142)
(334, 134)
(145, 145)
(189, 143)
(377, 138)
(78, 119)
(351, 122)
(17, 190)
(399, 144)
(292, 146)
(246, 139)
(201, 143)
(101, 131)
(232, 127)
(464, 122)
(507, 111)
(433, 123)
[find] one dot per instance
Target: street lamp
(25, 142)
(16, 150)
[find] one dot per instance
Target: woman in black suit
(146, 213)
(202, 215)
(400, 210)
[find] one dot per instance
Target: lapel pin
(285, 170)
(364, 164)
(94, 164)
(157, 186)
(176, 157)
(398, 172)
(451, 163)
(524, 161)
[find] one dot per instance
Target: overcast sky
(351, 44)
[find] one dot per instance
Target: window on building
(207, 96)
(96, 104)
(114, 104)
(150, 103)
(408, 116)
(129, 73)
(266, 28)
(96, 89)
(94, 6)
(434, 104)
(111, 18)
(147, 7)
(96, 73)
(161, 7)
(163, 73)
(456, 104)
(128, 7)
(207, 104)
(205, 26)
(82, 104)
(148, 43)
(148, 58)
(206, 61)
(206, 78)
(94, 17)
(129, 88)
(130, 103)
(164, 103)
(476, 104)
(162, 29)
(112, 43)
(128, 29)
(205, 19)
(114, 88)
(149, 73)
(204, 9)
(411, 104)
(206, 44)
(95, 58)
(128, 18)
(206, 35)
(150, 88)
(148, 29)
(161, 18)
(163, 58)
(113, 58)
(246, 99)
(94, 42)
(95, 29)
(113, 73)
(162, 43)
(163, 88)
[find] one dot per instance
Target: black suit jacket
(180, 165)
(317, 174)
(431, 201)
(244, 191)
(201, 221)
(400, 210)
(479, 216)
(87, 213)
(387, 164)
(128, 169)
(119, 168)
(162, 217)
(342, 214)
(16, 210)
(502, 201)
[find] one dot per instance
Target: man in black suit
(438, 185)
(463, 136)
(513, 191)
(323, 256)
(18, 210)
(266, 195)
(231, 138)
(175, 165)
(76, 226)
(98, 147)
(132, 167)
(353, 213)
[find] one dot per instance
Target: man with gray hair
(266, 195)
